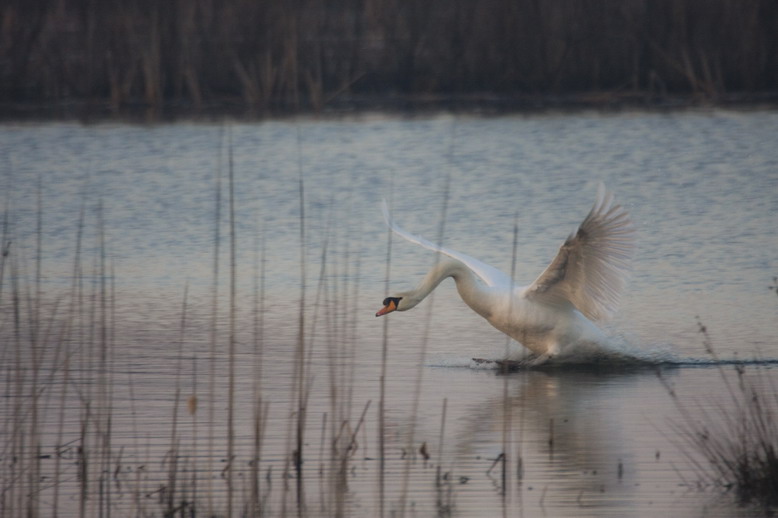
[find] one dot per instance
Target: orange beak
(387, 309)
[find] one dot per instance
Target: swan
(555, 314)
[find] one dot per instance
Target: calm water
(702, 189)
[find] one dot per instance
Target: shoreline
(345, 106)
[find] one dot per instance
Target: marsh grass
(268, 53)
(732, 442)
(76, 440)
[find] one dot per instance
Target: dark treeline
(270, 53)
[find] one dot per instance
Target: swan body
(554, 314)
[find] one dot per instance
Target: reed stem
(233, 338)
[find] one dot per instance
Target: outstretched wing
(591, 266)
(489, 274)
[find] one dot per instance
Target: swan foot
(509, 365)
(535, 360)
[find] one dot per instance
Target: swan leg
(553, 349)
(539, 359)
(528, 362)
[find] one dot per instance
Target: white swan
(554, 314)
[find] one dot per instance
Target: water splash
(617, 355)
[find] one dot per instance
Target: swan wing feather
(591, 267)
(490, 275)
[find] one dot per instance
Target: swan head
(391, 304)
(399, 302)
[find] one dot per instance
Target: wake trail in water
(619, 354)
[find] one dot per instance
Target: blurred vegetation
(732, 441)
(278, 53)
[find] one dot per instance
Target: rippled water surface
(102, 353)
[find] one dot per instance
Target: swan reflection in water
(567, 434)
(553, 316)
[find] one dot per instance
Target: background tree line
(270, 53)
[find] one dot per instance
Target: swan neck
(441, 271)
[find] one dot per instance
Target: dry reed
(731, 442)
(267, 54)
(71, 360)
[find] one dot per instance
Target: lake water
(100, 362)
